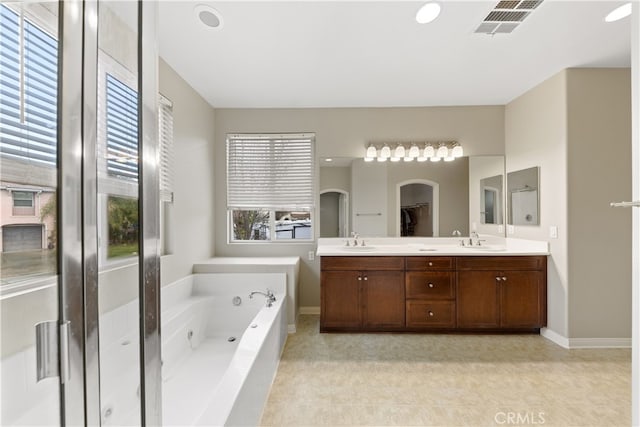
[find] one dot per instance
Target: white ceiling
(374, 54)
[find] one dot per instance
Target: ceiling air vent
(507, 16)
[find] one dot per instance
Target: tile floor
(445, 380)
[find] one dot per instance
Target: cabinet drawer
(379, 263)
(502, 263)
(434, 314)
(429, 263)
(430, 285)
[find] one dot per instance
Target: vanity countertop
(434, 246)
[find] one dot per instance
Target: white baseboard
(310, 310)
(574, 343)
(555, 337)
(599, 342)
(291, 329)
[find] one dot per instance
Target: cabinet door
(521, 304)
(340, 299)
(477, 299)
(383, 299)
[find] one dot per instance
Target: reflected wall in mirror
(523, 197)
(491, 200)
(375, 206)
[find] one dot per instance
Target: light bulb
(414, 151)
(399, 151)
(457, 151)
(385, 152)
(429, 151)
(372, 153)
(443, 151)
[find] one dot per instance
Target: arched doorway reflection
(334, 213)
(418, 208)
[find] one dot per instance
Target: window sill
(26, 286)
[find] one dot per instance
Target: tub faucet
(271, 298)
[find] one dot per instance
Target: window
(118, 159)
(270, 187)
(28, 142)
(22, 199)
(29, 87)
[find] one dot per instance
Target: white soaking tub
(219, 359)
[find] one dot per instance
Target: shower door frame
(79, 350)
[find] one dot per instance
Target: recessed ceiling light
(428, 13)
(208, 16)
(619, 13)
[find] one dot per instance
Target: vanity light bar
(434, 151)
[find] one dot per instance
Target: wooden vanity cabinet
(506, 293)
(433, 293)
(362, 293)
(430, 293)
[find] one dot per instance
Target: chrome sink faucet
(355, 236)
(271, 298)
(473, 235)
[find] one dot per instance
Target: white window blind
(274, 171)
(28, 89)
(122, 129)
(165, 119)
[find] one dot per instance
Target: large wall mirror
(523, 197)
(421, 199)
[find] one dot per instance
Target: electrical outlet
(553, 232)
(311, 255)
(511, 229)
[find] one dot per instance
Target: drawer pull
(498, 278)
(504, 279)
(430, 313)
(366, 278)
(430, 264)
(430, 285)
(360, 278)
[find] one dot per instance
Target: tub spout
(271, 298)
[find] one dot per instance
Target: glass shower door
(28, 207)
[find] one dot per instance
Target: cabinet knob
(366, 278)
(430, 285)
(430, 264)
(359, 277)
(498, 278)
(430, 313)
(504, 278)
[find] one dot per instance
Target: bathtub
(219, 359)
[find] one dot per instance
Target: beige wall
(599, 172)
(344, 132)
(191, 221)
(536, 135)
(563, 126)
